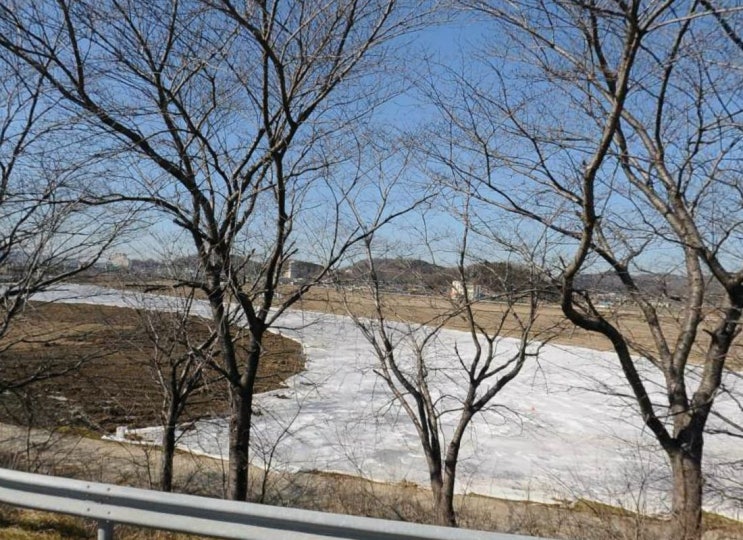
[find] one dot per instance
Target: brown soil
(111, 379)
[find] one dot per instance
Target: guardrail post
(105, 530)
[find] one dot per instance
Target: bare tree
(615, 128)
(409, 356)
(236, 117)
(180, 361)
(48, 235)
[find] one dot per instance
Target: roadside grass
(333, 492)
(24, 524)
(722, 524)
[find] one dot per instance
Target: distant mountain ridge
(402, 273)
(668, 285)
(424, 277)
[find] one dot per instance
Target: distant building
(608, 300)
(299, 271)
(120, 260)
(474, 291)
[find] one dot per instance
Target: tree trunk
(166, 460)
(240, 419)
(443, 499)
(168, 441)
(686, 510)
(240, 423)
(445, 512)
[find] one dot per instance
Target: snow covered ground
(561, 430)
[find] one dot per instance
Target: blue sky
(423, 63)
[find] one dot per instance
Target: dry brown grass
(84, 458)
(331, 492)
(550, 323)
(25, 524)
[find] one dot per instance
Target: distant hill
(402, 274)
(506, 277)
(667, 285)
(416, 275)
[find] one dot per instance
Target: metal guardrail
(109, 504)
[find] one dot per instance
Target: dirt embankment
(549, 325)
